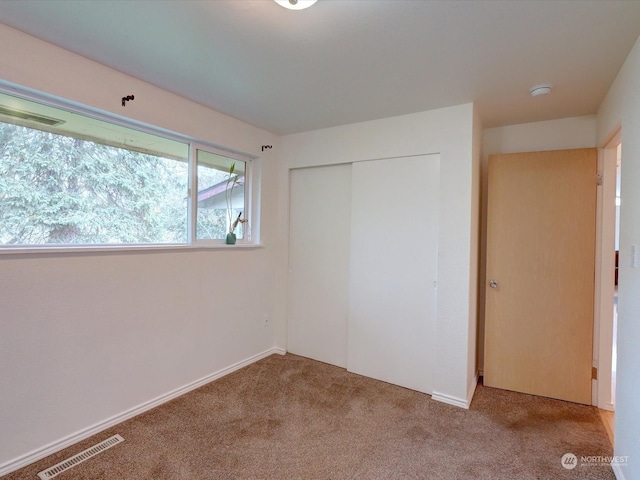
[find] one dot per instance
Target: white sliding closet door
(393, 269)
(320, 213)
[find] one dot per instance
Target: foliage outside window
(213, 172)
(68, 179)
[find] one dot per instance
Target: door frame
(604, 274)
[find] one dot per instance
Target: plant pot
(231, 239)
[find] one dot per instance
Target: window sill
(150, 248)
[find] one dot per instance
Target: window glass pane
(221, 196)
(70, 179)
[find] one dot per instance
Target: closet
(363, 254)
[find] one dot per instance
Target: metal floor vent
(80, 457)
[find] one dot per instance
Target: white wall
(567, 133)
(86, 337)
(562, 134)
(449, 132)
(622, 107)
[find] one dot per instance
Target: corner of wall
(475, 277)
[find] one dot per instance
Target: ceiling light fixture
(538, 90)
(295, 4)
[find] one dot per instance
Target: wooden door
(319, 245)
(541, 257)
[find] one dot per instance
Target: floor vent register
(80, 457)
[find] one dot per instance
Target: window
(70, 179)
(221, 196)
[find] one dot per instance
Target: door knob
(493, 284)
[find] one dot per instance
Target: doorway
(614, 349)
(609, 166)
(605, 327)
(610, 322)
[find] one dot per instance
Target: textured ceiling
(344, 61)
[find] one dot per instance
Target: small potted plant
(232, 182)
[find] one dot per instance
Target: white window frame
(251, 207)
(192, 237)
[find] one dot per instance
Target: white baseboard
(617, 471)
(64, 442)
(456, 401)
(608, 406)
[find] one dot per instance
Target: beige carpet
(293, 418)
